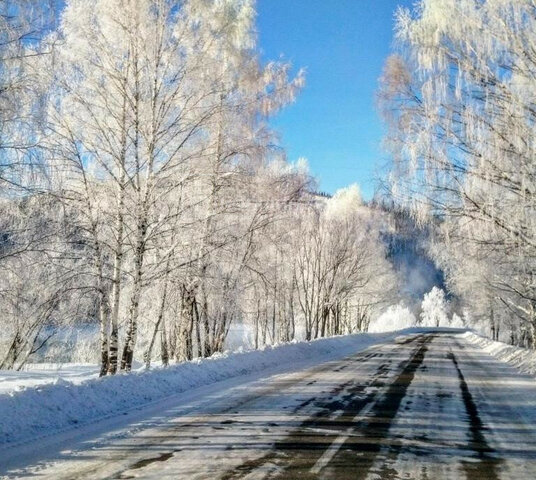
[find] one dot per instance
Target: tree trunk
(164, 351)
(104, 314)
(148, 353)
(132, 326)
(132, 330)
(198, 330)
(116, 285)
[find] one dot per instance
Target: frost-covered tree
(434, 309)
(22, 24)
(340, 271)
(41, 287)
(155, 123)
(459, 99)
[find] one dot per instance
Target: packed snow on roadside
(30, 411)
(521, 358)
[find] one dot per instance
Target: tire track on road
(329, 418)
(487, 464)
(376, 429)
(345, 423)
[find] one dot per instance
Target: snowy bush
(456, 321)
(395, 317)
(344, 203)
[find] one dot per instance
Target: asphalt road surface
(425, 407)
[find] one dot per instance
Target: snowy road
(429, 406)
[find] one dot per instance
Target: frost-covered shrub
(396, 317)
(344, 203)
(456, 321)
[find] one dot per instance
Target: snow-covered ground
(410, 406)
(51, 398)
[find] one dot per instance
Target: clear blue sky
(342, 44)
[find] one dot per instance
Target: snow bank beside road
(33, 412)
(521, 358)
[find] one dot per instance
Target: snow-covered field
(50, 398)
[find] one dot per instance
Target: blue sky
(342, 44)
